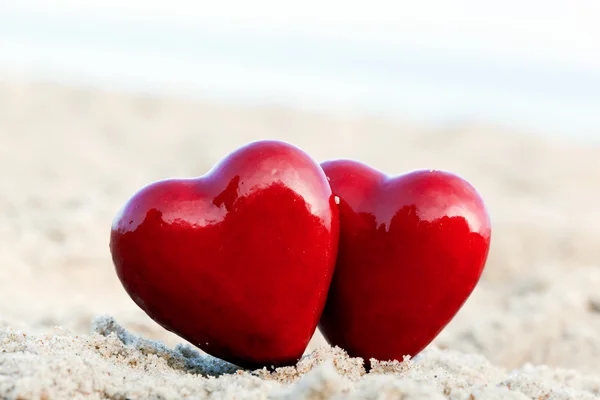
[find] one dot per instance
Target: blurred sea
(375, 72)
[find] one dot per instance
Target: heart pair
(247, 260)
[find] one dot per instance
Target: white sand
(111, 363)
(70, 157)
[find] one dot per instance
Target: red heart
(239, 261)
(412, 249)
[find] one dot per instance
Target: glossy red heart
(239, 261)
(412, 248)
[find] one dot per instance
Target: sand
(71, 156)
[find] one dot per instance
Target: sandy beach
(71, 157)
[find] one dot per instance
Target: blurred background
(100, 98)
(533, 64)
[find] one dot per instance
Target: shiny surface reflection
(411, 250)
(237, 262)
